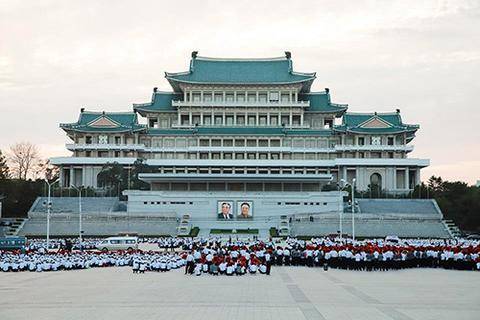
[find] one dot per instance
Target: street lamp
(353, 208)
(79, 189)
(49, 207)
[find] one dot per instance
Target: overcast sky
(422, 57)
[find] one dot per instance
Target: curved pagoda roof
(264, 71)
(108, 122)
(320, 102)
(376, 123)
(161, 101)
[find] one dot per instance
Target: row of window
(209, 96)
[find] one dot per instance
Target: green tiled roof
(120, 122)
(239, 131)
(240, 71)
(355, 123)
(320, 102)
(161, 101)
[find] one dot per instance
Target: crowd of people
(215, 256)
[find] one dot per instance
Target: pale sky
(422, 57)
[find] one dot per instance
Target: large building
(241, 133)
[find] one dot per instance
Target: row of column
(188, 96)
(245, 115)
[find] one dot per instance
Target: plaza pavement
(289, 293)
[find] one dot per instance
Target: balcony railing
(179, 103)
(100, 146)
(370, 147)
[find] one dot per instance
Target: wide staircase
(100, 217)
(380, 218)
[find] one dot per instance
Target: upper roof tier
(108, 122)
(376, 123)
(218, 71)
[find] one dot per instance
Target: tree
(4, 173)
(23, 158)
(45, 170)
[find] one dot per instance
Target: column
(72, 178)
(179, 118)
(190, 116)
(417, 176)
(301, 119)
(257, 122)
(407, 178)
(235, 117)
(185, 96)
(201, 118)
(290, 121)
(268, 118)
(344, 173)
(295, 96)
(224, 122)
(394, 178)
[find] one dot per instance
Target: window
(239, 143)
(285, 97)
(216, 143)
(262, 97)
(376, 141)
(262, 120)
(228, 143)
(239, 156)
(227, 156)
(103, 139)
(273, 120)
(274, 143)
(252, 97)
(251, 143)
(240, 120)
(251, 156)
(89, 154)
(207, 120)
(273, 96)
(152, 122)
(203, 155)
(285, 120)
(251, 120)
(241, 97)
(263, 143)
(218, 97)
(327, 123)
(390, 141)
(229, 120)
(361, 141)
(229, 97)
(275, 156)
(117, 154)
(216, 156)
(185, 120)
(204, 143)
(218, 120)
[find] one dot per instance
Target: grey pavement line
(285, 277)
(360, 294)
(304, 304)
(331, 278)
(393, 313)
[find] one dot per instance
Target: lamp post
(353, 208)
(341, 211)
(79, 189)
(49, 206)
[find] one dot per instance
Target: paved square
(289, 293)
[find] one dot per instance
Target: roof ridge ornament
(288, 55)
